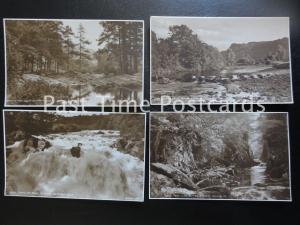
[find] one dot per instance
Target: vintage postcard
(79, 155)
(85, 62)
(219, 60)
(220, 156)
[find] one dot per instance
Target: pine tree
(68, 44)
(123, 40)
(83, 42)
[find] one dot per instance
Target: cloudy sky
(92, 29)
(222, 32)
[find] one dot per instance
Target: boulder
(75, 152)
(122, 143)
(43, 144)
(130, 146)
(169, 192)
(36, 143)
(163, 80)
(19, 135)
(276, 172)
(157, 181)
(30, 144)
(223, 189)
(18, 146)
(188, 77)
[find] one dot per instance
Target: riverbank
(238, 85)
(31, 88)
(216, 183)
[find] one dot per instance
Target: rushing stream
(254, 176)
(101, 172)
(257, 174)
(255, 184)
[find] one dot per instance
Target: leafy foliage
(183, 51)
(123, 42)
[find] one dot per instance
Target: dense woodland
(208, 153)
(214, 139)
(184, 52)
(23, 125)
(123, 44)
(40, 123)
(47, 47)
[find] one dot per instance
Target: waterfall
(256, 139)
(257, 172)
(102, 172)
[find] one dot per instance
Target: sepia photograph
(220, 156)
(78, 155)
(86, 62)
(219, 60)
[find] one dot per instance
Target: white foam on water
(102, 172)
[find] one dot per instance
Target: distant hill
(260, 50)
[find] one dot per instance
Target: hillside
(258, 51)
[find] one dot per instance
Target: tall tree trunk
(135, 63)
(24, 65)
(32, 64)
(80, 51)
(124, 50)
(68, 60)
(135, 52)
(121, 52)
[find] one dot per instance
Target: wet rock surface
(131, 146)
(95, 171)
(245, 83)
(209, 156)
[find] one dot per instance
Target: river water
(256, 185)
(93, 96)
(101, 172)
(258, 174)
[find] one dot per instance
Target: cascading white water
(255, 138)
(102, 172)
(257, 173)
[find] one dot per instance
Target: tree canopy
(43, 47)
(123, 41)
(184, 51)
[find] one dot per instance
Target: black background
(42, 211)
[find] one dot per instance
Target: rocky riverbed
(216, 183)
(248, 85)
(44, 166)
(219, 156)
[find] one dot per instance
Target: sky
(222, 32)
(92, 28)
